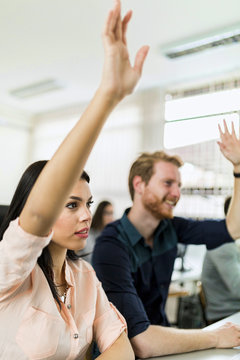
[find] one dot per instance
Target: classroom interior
(51, 60)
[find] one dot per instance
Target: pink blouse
(31, 325)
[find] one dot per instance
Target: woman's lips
(83, 233)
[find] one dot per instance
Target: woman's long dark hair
(97, 220)
(19, 199)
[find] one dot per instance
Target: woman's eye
(71, 205)
(89, 203)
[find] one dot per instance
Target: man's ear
(138, 184)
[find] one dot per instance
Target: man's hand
(230, 148)
(228, 335)
(229, 144)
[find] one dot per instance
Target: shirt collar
(133, 235)
(161, 227)
(68, 274)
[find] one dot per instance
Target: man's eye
(71, 205)
(89, 203)
(168, 183)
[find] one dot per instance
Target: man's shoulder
(111, 232)
(109, 243)
(112, 228)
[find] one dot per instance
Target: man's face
(162, 192)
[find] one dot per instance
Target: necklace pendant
(64, 296)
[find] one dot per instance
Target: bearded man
(134, 256)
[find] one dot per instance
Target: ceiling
(61, 40)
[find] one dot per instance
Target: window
(191, 131)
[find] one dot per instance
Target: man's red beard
(156, 207)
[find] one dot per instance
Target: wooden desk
(211, 354)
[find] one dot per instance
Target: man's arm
(111, 262)
(230, 147)
(159, 340)
(112, 265)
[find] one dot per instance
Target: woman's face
(107, 215)
(72, 227)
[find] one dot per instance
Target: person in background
(103, 215)
(134, 256)
(51, 303)
(221, 279)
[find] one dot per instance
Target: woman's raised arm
(119, 78)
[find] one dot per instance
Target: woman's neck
(58, 256)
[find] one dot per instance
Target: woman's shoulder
(81, 265)
(83, 274)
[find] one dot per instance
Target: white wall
(14, 151)
(133, 127)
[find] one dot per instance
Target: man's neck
(144, 222)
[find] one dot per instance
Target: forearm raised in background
(232, 218)
(229, 145)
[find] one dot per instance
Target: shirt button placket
(75, 336)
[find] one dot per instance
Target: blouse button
(75, 336)
(69, 306)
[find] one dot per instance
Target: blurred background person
(221, 279)
(104, 214)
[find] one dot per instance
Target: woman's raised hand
(119, 77)
(56, 181)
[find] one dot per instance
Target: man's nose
(176, 191)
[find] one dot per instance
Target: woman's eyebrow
(75, 198)
(78, 198)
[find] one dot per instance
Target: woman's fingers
(140, 58)
(125, 22)
(112, 21)
(118, 24)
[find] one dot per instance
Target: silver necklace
(64, 296)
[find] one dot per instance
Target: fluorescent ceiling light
(36, 89)
(225, 36)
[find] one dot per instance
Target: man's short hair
(144, 166)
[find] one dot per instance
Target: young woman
(51, 307)
(102, 216)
